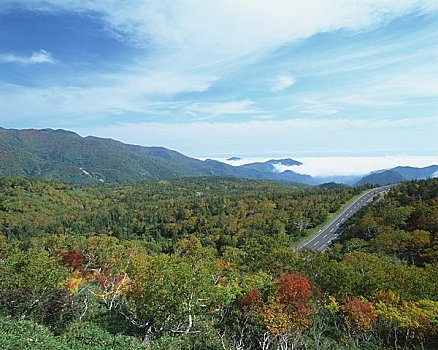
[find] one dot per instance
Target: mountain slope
(412, 173)
(398, 174)
(387, 177)
(269, 170)
(66, 156)
(196, 167)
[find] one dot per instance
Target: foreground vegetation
(210, 264)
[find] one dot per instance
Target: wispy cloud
(337, 71)
(282, 82)
(227, 26)
(118, 93)
(213, 109)
(41, 56)
(313, 105)
(292, 136)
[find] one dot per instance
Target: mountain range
(387, 177)
(66, 156)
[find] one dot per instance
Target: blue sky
(230, 77)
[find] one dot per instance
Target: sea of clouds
(343, 166)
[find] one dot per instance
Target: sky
(220, 78)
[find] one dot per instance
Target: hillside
(140, 210)
(208, 263)
(66, 156)
(412, 173)
(387, 177)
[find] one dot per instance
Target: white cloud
(343, 166)
(346, 166)
(117, 93)
(395, 90)
(281, 137)
(312, 105)
(191, 44)
(212, 109)
(236, 27)
(282, 82)
(41, 56)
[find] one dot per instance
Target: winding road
(326, 235)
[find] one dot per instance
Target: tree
(359, 314)
(288, 310)
(168, 293)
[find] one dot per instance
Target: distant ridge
(66, 156)
(398, 174)
(387, 177)
(411, 173)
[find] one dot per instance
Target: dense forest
(209, 263)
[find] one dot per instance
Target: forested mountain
(399, 174)
(269, 166)
(65, 156)
(387, 177)
(196, 167)
(412, 173)
(208, 263)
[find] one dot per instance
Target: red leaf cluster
(73, 258)
(293, 290)
(250, 301)
(359, 313)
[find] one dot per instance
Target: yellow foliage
(74, 282)
(275, 318)
(279, 318)
(332, 304)
(416, 316)
(387, 296)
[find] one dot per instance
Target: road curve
(326, 235)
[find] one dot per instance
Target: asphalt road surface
(325, 236)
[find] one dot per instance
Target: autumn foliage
(73, 258)
(250, 302)
(288, 310)
(359, 314)
(221, 274)
(293, 290)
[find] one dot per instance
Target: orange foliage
(288, 310)
(293, 290)
(250, 302)
(359, 313)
